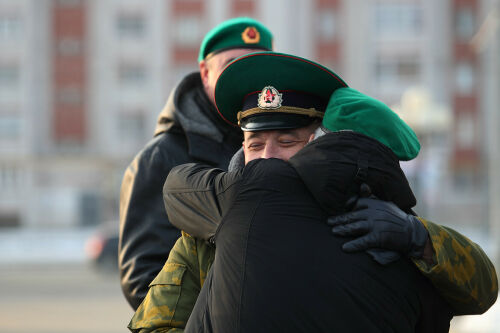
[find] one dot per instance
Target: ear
(203, 72)
(311, 137)
(244, 151)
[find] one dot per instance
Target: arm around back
(461, 272)
(197, 196)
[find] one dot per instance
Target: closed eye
(290, 142)
(255, 146)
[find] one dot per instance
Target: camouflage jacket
(461, 272)
(173, 293)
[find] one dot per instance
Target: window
(131, 126)
(90, 208)
(131, 26)
(398, 19)
(464, 180)
(132, 75)
(398, 70)
(10, 28)
(465, 131)
(464, 78)
(464, 23)
(10, 127)
(327, 24)
(188, 31)
(69, 96)
(69, 47)
(68, 3)
(10, 177)
(9, 75)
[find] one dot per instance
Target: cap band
(242, 46)
(280, 98)
(272, 101)
(284, 109)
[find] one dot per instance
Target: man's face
(211, 68)
(281, 144)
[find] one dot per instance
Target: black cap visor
(273, 121)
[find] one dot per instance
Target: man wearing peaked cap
(278, 107)
(270, 90)
(282, 98)
(188, 130)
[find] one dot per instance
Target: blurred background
(82, 83)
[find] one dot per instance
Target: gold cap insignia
(250, 35)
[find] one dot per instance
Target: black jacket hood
(189, 109)
(334, 166)
(167, 118)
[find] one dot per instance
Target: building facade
(82, 83)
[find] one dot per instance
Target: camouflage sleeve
(461, 271)
(173, 293)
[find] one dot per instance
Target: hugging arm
(197, 196)
(456, 266)
(461, 271)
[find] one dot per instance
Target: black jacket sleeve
(197, 196)
(146, 236)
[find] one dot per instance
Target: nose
(270, 151)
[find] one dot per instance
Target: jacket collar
(188, 110)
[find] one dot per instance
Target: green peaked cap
(287, 73)
(240, 32)
(349, 109)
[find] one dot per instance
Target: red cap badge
(269, 98)
(250, 35)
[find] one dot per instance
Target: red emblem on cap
(269, 98)
(250, 35)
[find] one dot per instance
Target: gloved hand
(382, 226)
(237, 161)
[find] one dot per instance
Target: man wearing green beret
(278, 124)
(188, 130)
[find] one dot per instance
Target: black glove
(382, 226)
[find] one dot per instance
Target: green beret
(349, 109)
(269, 90)
(241, 32)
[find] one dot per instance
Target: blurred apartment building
(82, 82)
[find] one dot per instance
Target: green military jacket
(461, 272)
(173, 293)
